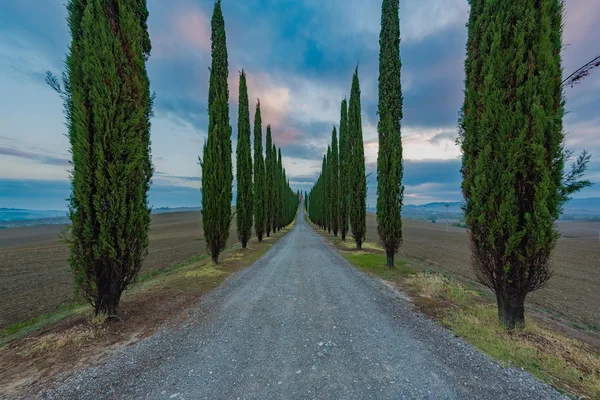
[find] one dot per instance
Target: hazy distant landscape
(18, 217)
(576, 209)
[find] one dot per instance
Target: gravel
(301, 323)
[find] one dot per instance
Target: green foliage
(244, 201)
(328, 183)
(281, 186)
(334, 184)
(343, 167)
(259, 177)
(276, 189)
(216, 162)
(108, 107)
(357, 182)
(390, 190)
(270, 182)
(512, 140)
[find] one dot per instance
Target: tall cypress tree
(343, 185)
(216, 163)
(259, 177)
(329, 173)
(281, 195)
(357, 181)
(108, 108)
(269, 176)
(306, 205)
(512, 142)
(244, 201)
(276, 190)
(334, 188)
(390, 190)
(328, 203)
(323, 195)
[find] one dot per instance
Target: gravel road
(301, 323)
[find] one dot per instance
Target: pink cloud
(274, 103)
(187, 28)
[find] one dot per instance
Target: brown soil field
(573, 293)
(35, 277)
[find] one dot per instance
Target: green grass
(18, 330)
(375, 264)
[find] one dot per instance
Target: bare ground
(34, 275)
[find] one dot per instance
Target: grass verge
(569, 365)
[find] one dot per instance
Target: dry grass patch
(73, 338)
(567, 364)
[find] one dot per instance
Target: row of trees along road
(268, 202)
(510, 133)
(512, 140)
(108, 107)
(338, 200)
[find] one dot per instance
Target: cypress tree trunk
(216, 163)
(357, 179)
(259, 177)
(511, 310)
(512, 142)
(108, 108)
(343, 186)
(244, 201)
(390, 190)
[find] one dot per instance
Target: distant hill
(20, 214)
(574, 209)
(19, 217)
(589, 206)
(453, 208)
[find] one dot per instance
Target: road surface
(301, 323)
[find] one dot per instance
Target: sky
(299, 56)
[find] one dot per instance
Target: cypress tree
(270, 207)
(306, 200)
(389, 158)
(329, 179)
(277, 189)
(216, 163)
(259, 177)
(334, 188)
(281, 192)
(344, 155)
(108, 107)
(244, 201)
(357, 181)
(327, 175)
(512, 142)
(323, 194)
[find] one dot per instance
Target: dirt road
(301, 323)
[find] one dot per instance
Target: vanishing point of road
(301, 323)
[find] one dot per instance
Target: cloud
(299, 61)
(41, 158)
(187, 30)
